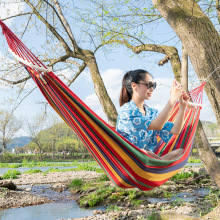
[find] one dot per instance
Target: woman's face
(141, 91)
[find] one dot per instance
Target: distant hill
(19, 142)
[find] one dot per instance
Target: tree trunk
(217, 5)
(184, 69)
(52, 150)
(100, 90)
(64, 155)
(4, 147)
(214, 214)
(206, 154)
(201, 40)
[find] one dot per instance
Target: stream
(63, 205)
(44, 169)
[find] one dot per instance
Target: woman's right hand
(176, 91)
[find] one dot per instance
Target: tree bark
(184, 69)
(202, 44)
(217, 5)
(206, 154)
(201, 40)
(100, 90)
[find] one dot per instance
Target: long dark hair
(126, 90)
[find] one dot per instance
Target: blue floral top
(133, 125)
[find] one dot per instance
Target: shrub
(11, 174)
(76, 184)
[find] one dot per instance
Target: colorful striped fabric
(124, 164)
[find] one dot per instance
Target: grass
(3, 192)
(194, 160)
(76, 184)
(11, 174)
(114, 208)
(31, 171)
(154, 216)
(91, 166)
(103, 178)
(96, 192)
(12, 158)
(182, 175)
(210, 201)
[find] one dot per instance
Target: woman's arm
(162, 118)
(183, 101)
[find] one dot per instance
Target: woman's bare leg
(153, 155)
(169, 156)
(172, 155)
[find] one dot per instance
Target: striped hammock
(126, 165)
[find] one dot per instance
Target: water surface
(49, 211)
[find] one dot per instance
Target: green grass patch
(182, 175)
(11, 174)
(154, 216)
(31, 171)
(76, 184)
(9, 165)
(103, 178)
(113, 208)
(193, 160)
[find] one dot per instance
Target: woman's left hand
(184, 100)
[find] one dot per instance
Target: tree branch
(15, 82)
(171, 52)
(54, 61)
(66, 26)
(163, 61)
(17, 15)
(81, 68)
(50, 27)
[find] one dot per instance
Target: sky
(112, 68)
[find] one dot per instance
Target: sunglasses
(150, 85)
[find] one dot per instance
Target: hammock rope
(125, 164)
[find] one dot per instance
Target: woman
(139, 123)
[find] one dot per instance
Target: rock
(167, 207)
(59, 187)
(128, 204)
(8, 184)
(28, 189)
(185, 210)
(85, 204)
(96, 212)
(159, 205)
(151, 205)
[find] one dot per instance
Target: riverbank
(55, 177)
(23, 197)
(192, 200)
(190, 195)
